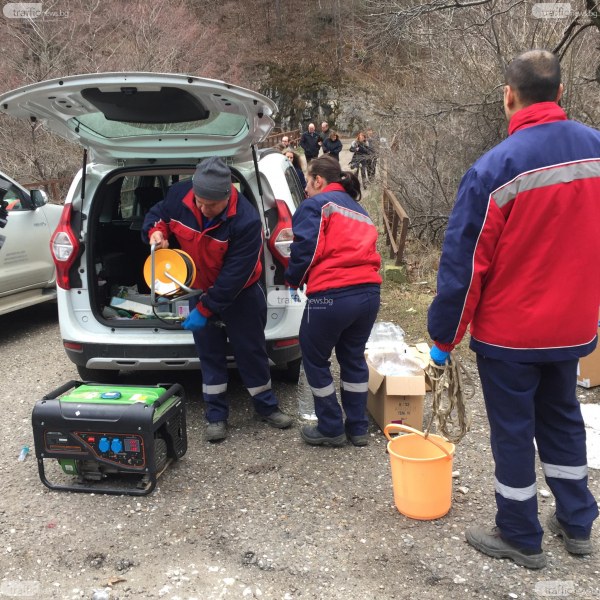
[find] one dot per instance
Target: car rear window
(224, 125)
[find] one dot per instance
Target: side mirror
(38, 198)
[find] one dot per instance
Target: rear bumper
(159, 358)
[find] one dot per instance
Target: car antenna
(260, 192)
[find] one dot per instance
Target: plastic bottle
(24, 453)
(306, 401)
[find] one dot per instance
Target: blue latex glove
(195, 321)
(438, 356)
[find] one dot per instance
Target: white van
(142, 132)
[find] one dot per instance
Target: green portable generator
(109, 439)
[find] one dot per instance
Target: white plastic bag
(387, 351)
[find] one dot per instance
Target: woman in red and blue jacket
(334, 255)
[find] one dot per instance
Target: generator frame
(79, 423)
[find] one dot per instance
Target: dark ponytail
(329, 169)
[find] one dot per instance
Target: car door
(25, 259)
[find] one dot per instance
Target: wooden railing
(275, 138)
(395, 220)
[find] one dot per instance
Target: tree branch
(583, 27)
(431, 7)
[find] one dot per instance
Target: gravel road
(261, 515)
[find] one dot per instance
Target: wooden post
(396, 223)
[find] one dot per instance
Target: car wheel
(291, 373)
(97, 375)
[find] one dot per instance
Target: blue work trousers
(340, 319)
(244, 322)
(527, 401)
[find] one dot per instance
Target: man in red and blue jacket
(520, 265)
(222, 232)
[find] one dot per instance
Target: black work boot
(358, 440)
(490, 542)
(311, 435)
(572, 544)
(278, 419)
(216, 432)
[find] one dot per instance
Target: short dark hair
(534, 76)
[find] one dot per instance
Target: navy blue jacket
(227, 252)
(520, 255)
(332, 147)
(309, 142)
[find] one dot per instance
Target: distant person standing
(295, 160)
(374, 146)
(324, 133)
(362, 152)
(332, 145)
(309, 142)
(520, 265)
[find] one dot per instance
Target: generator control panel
(124, 449)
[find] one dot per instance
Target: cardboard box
(396, 399)
(588, 369)
(420, 352)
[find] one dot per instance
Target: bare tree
(81, 36)
(432, 69)
(443, 107)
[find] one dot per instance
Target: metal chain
(449, 408)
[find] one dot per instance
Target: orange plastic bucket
(421, 472)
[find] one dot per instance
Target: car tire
(291, 373)
(97, 375)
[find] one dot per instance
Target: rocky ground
(261, 515)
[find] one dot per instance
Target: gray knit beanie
(212, 179)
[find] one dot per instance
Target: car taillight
(282, 236)
(75, 346)
(286, 343)
(64, 247)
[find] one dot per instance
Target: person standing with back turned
(334, 252)
(520, 264)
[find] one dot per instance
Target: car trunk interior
(117, 255)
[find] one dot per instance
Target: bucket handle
(398, 427)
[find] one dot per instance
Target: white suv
(27, 272)
(143, 132)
